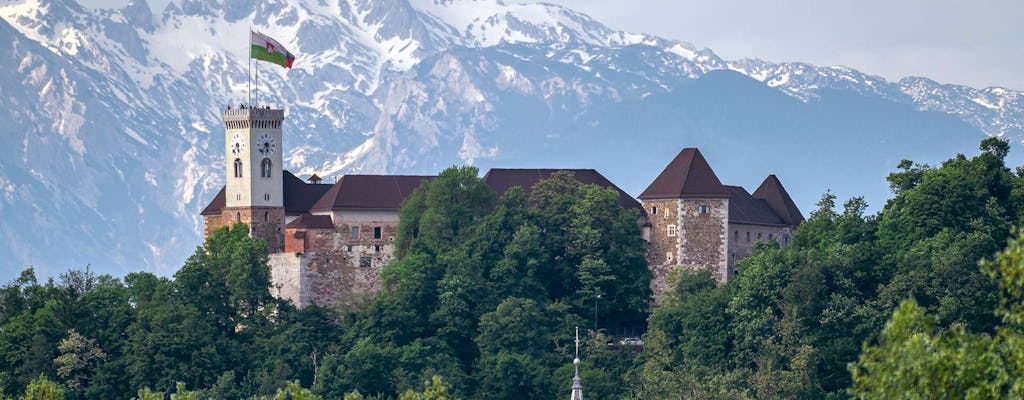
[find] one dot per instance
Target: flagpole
(257, 81)
(249, 80)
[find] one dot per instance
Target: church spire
(577, 384)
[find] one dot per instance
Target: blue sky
(977, 43)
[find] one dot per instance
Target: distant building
(328, 242)
(696, 222)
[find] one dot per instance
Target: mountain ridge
(130, 101)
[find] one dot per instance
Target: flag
(267, 49)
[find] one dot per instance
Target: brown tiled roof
(772, 192)
(745, 209)
(216, 205)
(687, 176)
(501, 179)
(311, 221)
(369, 192)
(299, 196)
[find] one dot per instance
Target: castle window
(266, 196)
(736, 235)
(265, 171)
(238, 217)
(671, 230)
(238, 168)
(266, 216)
(771, 236)
(748, 236)
(703, 209)
(376, 232)
(785, 239)
(348, 248)
(376, 248)
(669, 256)
(355, 233)
(759, 236)
(654, 210)
(365, 262)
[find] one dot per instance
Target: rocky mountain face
(112, 139)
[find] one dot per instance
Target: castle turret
(688, 212)
(254, 174)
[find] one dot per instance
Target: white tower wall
(248, 127)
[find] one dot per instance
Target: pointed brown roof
(502, 179)
(687, 176)
(369, 192)
(772, 192)
(745, 209)
(314, 178)
(216, 204)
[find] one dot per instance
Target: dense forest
(484, 294)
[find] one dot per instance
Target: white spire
(577, 385)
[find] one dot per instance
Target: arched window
(265, 171)
(266, 216)
(238, 217)
(238, 168)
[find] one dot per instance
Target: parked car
(631, 341)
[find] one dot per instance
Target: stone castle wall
(703, 235)
(341, 270)
(691, 233)
(288, 278)
(265, 223)
(662, 249)
(743, 236)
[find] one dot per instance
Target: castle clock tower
(254, 191)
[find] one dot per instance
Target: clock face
(266, 145)
(238, 144)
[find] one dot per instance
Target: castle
(328, 242)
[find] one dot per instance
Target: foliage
(42, 388)
(795, 316)
(485, 292)
(915, 358)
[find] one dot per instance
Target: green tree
(79, 357)
(227, 278)
(915, 358)
(435, 389)
(42, 388)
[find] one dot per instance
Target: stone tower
(253, 173)
(688, 215)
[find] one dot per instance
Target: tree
(915, 358)
(79, 357)
(435, 389)
(227, 278)
(42, 388)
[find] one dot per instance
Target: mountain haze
(113, 141)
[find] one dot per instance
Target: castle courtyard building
(328, 242)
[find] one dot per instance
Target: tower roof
(687, 176)
(772, 192)
(745, 209)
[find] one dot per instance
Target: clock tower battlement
(254, 191)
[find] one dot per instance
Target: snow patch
(681, 51)
(151, 178)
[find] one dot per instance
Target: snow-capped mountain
(112, 139)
